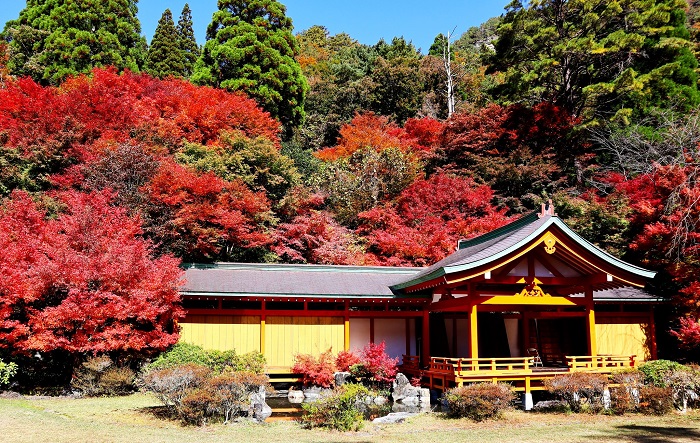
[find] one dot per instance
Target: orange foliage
(366, 130)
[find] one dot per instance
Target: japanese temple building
(486, 312)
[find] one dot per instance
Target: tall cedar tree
(597, 59)
(188, 43)
(250, 47)
(165, 56)
(53, 39)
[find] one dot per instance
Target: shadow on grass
(657, 434)
(160, 412)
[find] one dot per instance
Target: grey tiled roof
(293, 280)
(624, 294)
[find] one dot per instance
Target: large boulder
(403, 391)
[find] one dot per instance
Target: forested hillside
(261, 145)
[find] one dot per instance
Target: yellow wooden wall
(622, 337)
(288, 336)
(222, 332)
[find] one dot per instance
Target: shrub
(217, 361)
(342, 410)
(580, 390)
(345, 360)
(100, 376)
(656, 372)
(375, 366)
(655, 400)
(315, 371)
(172, 384)
(7, 371)
(479, 401)
(684, 383)
(625, 397)
(221, 397)
(231, 392)
(198, 405)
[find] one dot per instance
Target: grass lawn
(132, 419)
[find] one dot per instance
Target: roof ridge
(509, 228)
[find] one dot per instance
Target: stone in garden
(394, 417)
(312, 393)
(341, 378)
(403, 391)
(259, 409)
(295, 396)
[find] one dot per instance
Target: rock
(259, 409)
(394, 417)
(380, 400)
(295, 396)
(403, 391)
(341, 378)
(312, 393)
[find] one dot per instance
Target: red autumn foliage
(377, 364)
(207, 216)
(83, 281)
(315, 371)
(666, 219)
(111, 106)
(425, 222)
(498, 130)
(366, 131)
(345, 360)
(521, 152)
(315, 237)
(424, 134)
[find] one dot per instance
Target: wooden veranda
(521, 372)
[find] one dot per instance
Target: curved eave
(614, 261)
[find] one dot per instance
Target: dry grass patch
(135, 419)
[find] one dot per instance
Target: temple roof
(578, 257)
(503, 241)
(266, 280)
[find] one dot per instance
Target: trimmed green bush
(342, 410)
(479, 401)
(217, 361)
(656, 372)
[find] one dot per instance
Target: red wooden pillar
(652, 338)
(425, 340)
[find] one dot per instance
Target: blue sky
(365, 20)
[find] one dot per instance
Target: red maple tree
(82, 280)
(425, 222)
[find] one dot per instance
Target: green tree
(165, 57)
(53, 39)
(338, 70)
(397, 84)
(188, 42)
(250, 47)
(598, 59)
